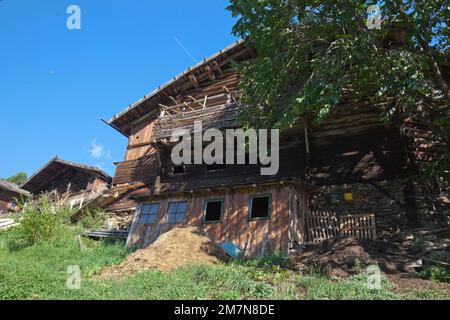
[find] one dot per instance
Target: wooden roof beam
(194, 81)
(218, 68)
(210, 73)
(175, 100)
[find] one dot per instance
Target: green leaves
(311, 52)
(18, 179)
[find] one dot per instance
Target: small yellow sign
(348, 197)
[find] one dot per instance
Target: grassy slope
(40, 272)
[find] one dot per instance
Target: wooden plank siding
(140, 140)
(258, 236)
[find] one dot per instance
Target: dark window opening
(176, 212)
(213, 211)
(260, 207)
(149, 213)
(178, 169)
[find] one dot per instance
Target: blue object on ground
(232, 250)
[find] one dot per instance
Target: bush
(438, 274)
(92, 219)
(39, 221)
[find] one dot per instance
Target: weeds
(418, 244)
(39, 221)
(437, 273)
(352, 288)
(317, 270)
(92, 219)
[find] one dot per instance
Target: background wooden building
(9, 195)
(75, 182)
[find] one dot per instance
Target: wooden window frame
(168, 213)
(222, 209)
(250, 207)
(156, 214)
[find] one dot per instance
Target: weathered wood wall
(79, 182)
(274, 234)
(140, 140)
(6, 197)
(355, 145)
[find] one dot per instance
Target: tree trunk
(436, 71)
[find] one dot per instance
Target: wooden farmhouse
(73, 182)
(10, 193)
(344, 176)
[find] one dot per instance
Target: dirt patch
(176, 248)
(338, 257)
(341, 257)
(406, 283)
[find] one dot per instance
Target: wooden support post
(194, 80)
(305, 124)
(80, 242)
(210, 73)
(230, 95)
(174, 100)
(188, 106)
(218, 68)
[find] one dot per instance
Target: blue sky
(56, 83)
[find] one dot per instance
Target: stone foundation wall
(385, 199)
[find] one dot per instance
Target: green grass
(40, 272)
(353, 288)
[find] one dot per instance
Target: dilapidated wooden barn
(76, 182)
(10, 194)
(344, 176)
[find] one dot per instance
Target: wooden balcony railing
(219, 116)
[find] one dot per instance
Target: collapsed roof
(6, 185)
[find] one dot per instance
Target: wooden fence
(326, 225)
(360, 226)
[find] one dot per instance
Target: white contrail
(185, 50)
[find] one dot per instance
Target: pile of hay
(176, 248)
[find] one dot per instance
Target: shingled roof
(54, 167)
(123, 121)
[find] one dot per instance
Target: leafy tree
(19, 178)
(312, 52)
